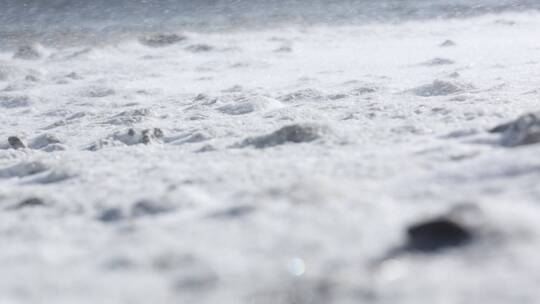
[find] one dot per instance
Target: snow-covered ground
(277, 165)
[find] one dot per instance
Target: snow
(220, 168)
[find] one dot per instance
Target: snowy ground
(203, 207)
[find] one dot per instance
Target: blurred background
(83, 20)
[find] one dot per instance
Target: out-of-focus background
(96, 20)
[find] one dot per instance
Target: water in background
(51, 21)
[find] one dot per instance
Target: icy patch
(523, 131)
(299, 133)
(14, 101)
(441, 88)
(50, 177)
(43, 141)
(23, 169)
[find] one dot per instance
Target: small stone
(298, 133)
(447, 43)
(111, 215)
(206, 148)
(158, 133)
(31, 202)
(438, 61)
(523, 131)
(145, 208)
(233, 212)
(441, 88)
(161, 40)
(31, 78)
(436, 234)
(145, 137)
(15, 143)
(199, 48)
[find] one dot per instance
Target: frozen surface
(277, 165)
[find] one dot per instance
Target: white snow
(389, 128)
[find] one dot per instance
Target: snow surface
(277, 165)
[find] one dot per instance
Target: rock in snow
(16, 143)
(30, 202)
(441, 88)
(298, 133)
(525, 130)
(161, 40)
(437, 234)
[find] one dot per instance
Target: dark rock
(158, 133)
(447, 43)
(30, 202)
(31, 78)
(111, 215)
(145, 137)
(233, 212)
(436, 234)
(199, 48)
(298, 133)
(161, 40)
(206, 148)
(15, 143)
(525, 130)
(146, 208)
(148, 135)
